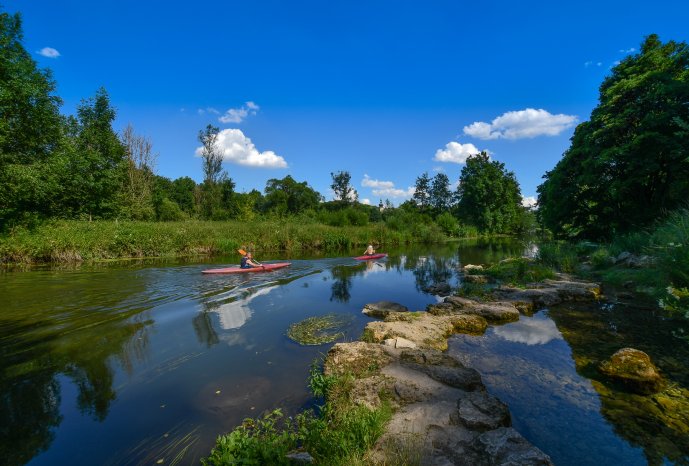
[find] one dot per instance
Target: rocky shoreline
(443, 414)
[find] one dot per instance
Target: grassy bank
(339, 433)
(653, 262)
(66, 241)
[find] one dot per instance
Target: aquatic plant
(319, 330)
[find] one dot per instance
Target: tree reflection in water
(58, 334)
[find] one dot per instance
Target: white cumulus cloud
(529, 201)
(455, 152)
(376, 184)
(394, 193)
(237, 148)
(528, 123)
(49, 52)
(365, 201)
(386, 189)
(237, 115)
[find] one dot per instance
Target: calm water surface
(147, 362)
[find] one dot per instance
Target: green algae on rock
(319, 330)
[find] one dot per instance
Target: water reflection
(538, 330)
(659, 423)
(73, 325)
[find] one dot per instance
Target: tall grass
(65, 241)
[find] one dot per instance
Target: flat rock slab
(493, 312)
(381, 309)
(480, 411)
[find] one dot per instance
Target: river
(147, 362)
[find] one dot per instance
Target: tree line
(78, 167)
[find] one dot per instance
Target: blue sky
(385, 90)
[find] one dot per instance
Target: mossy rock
(635, 370)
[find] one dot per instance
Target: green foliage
(422, 191)
(287, 196)
(670, 245)
(340, 434)
(519, 271)
(676, 300)
(260, 441)
(559, 255)
(30, 126)
(629, 165)
(440, 194)
(449, 224)
(344, 192)
(475, 291)
(345, 217)
(601, 258)
(489, 196)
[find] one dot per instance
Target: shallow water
(141, 362)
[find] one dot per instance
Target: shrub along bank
(68, 241)
(654, 261)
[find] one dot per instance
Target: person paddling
(248, 262)
(369, 250)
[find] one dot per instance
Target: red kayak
(371, 256)
(263, 268)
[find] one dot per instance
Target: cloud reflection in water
(537, 330)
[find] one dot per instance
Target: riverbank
(433, 408)
(75, 241)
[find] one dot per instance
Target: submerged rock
(381, 309)
(634, 369)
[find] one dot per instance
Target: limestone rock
(634, 369)
(381, 309)
(480, 411)
(471, 268)
(507, 447)
(494, 312)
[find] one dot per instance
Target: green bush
(558, 255)
(670, 244)
(448, 223)
(265, 440)
(519, 271)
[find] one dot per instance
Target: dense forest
(78, 167)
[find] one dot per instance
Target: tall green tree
(489, 195)
(440, 194)
(138, 189)
(30, 131)
(211, 156)
(95, 164)
(30, 125)
(287, 196)
(342, 188)
(422, 191)
(629, 164)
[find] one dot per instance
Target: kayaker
(369, 250)
(248, 262)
